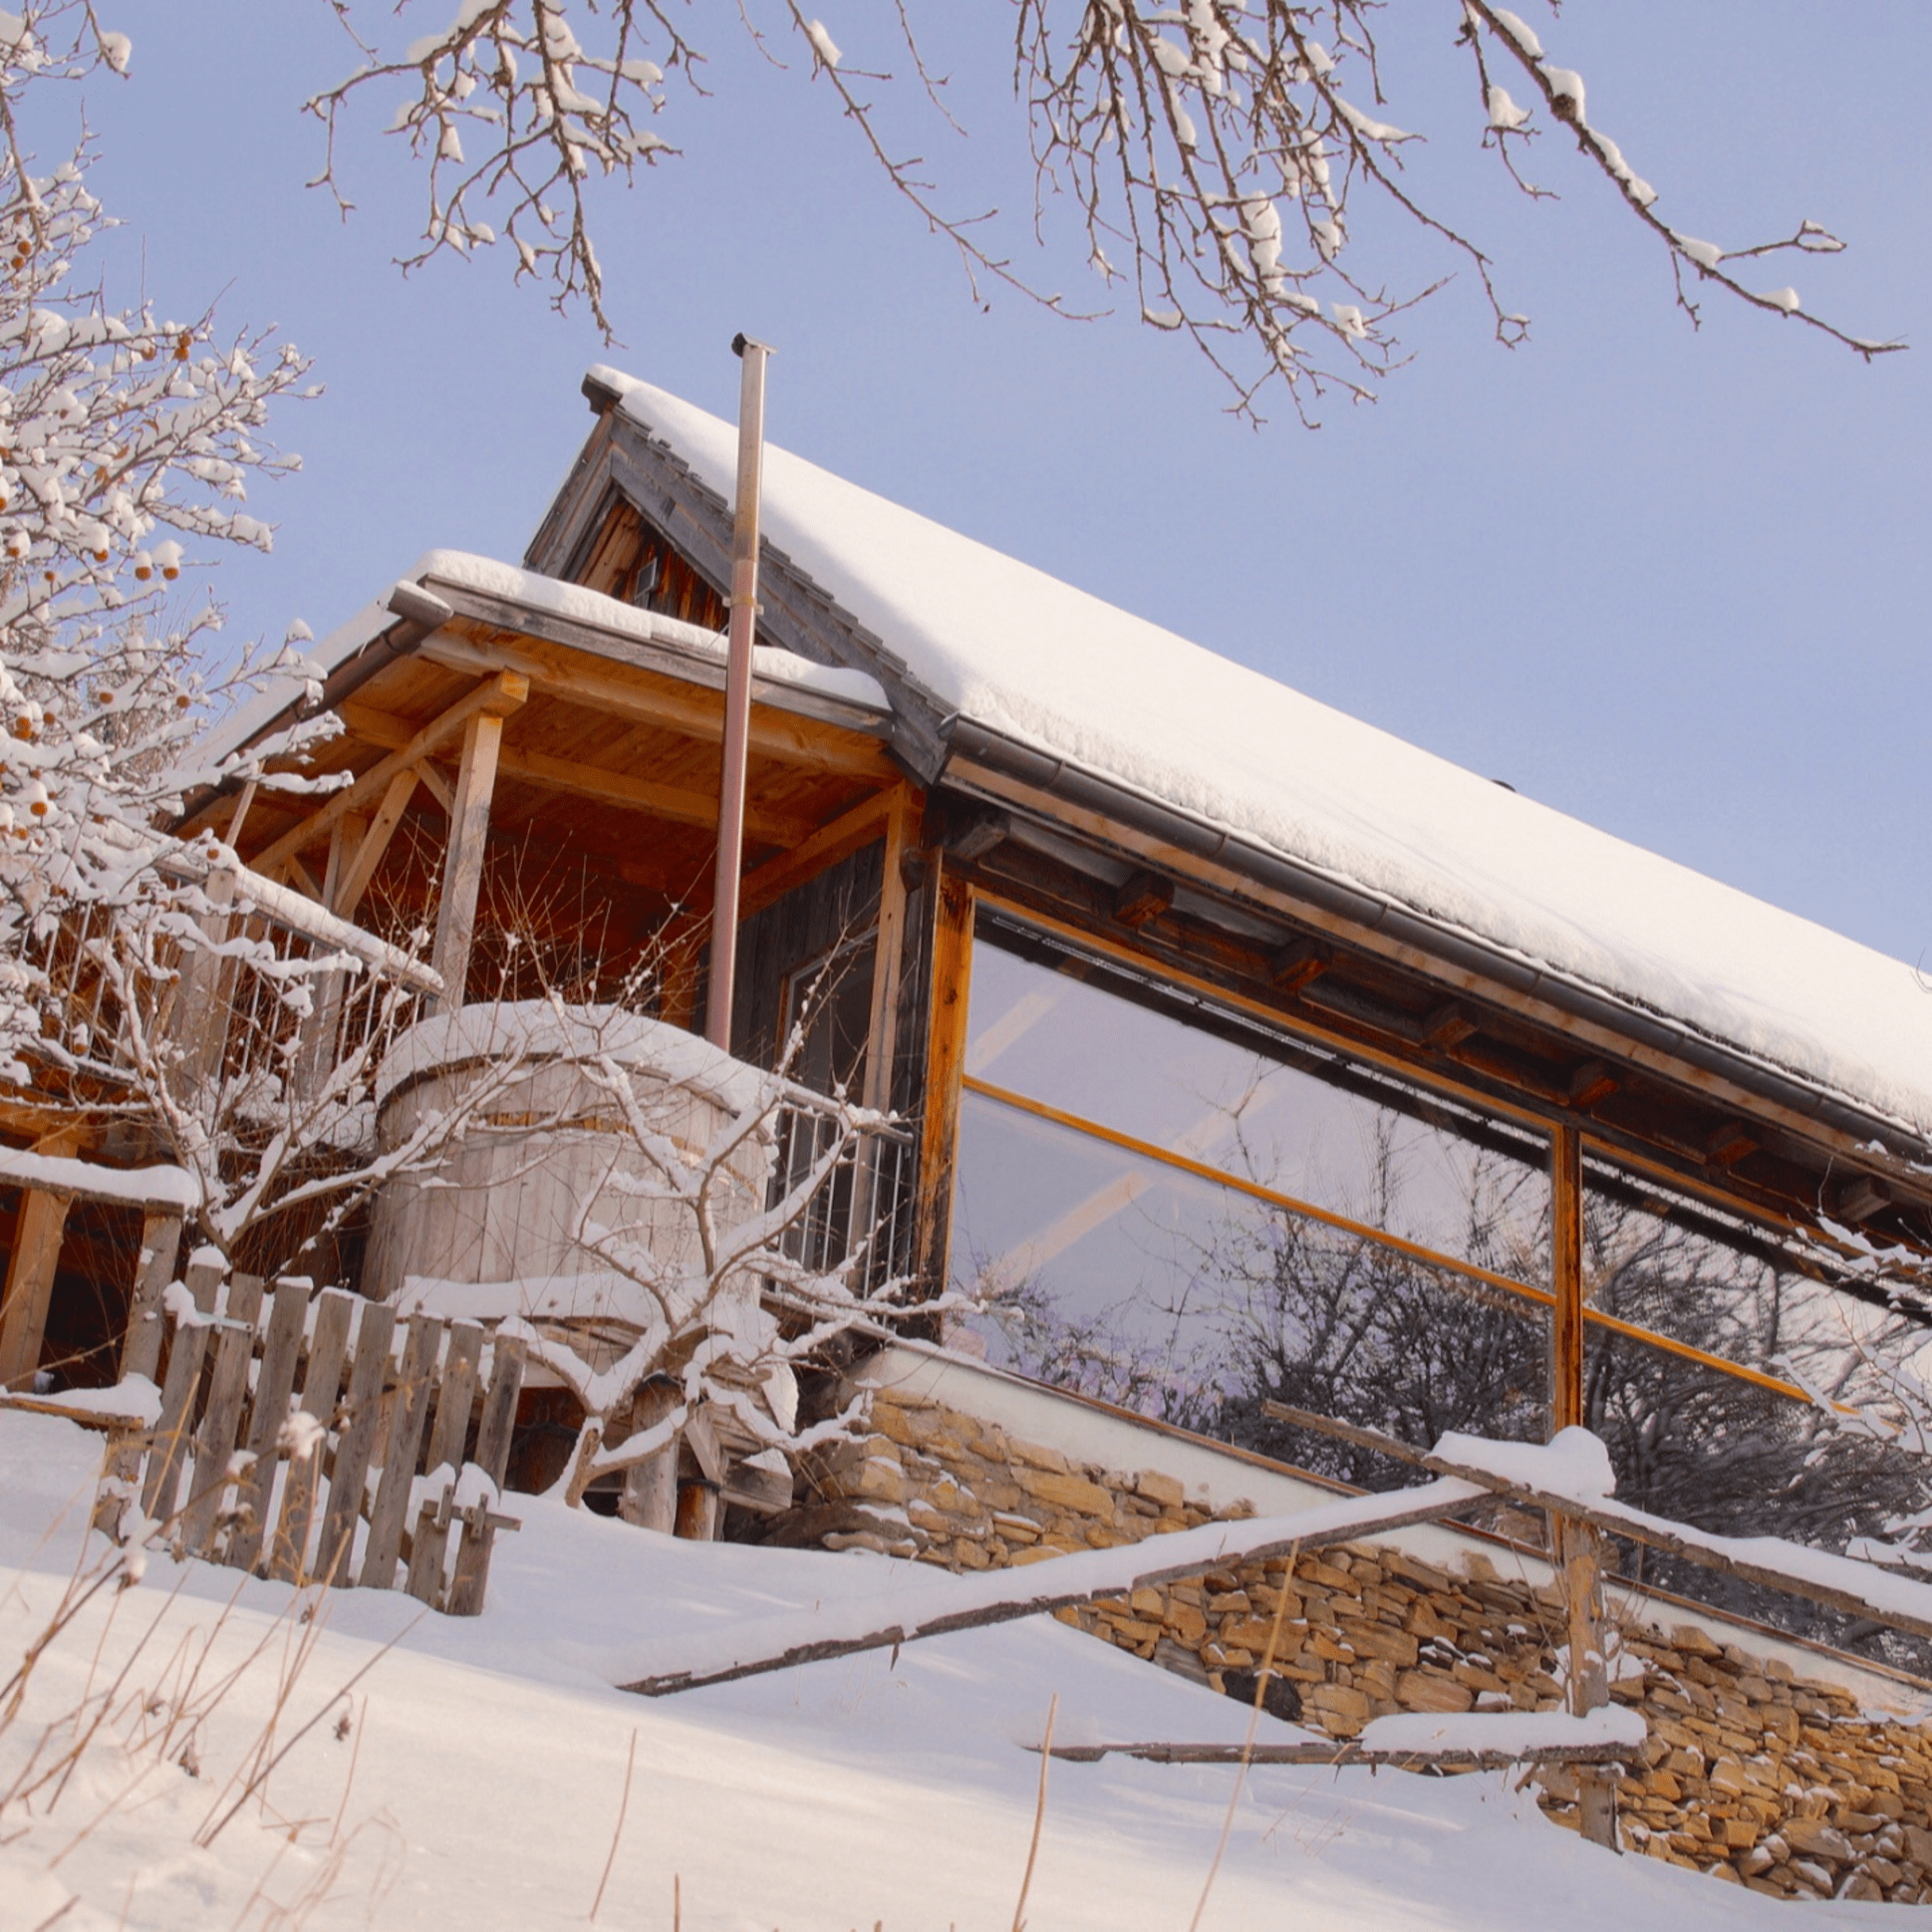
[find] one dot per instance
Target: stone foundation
(1755, 1772)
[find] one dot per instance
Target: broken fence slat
(411, 1411)
(288, 1559)
(161, 1244)
(481, 1524)
(214, 1441)
(999, 1596)
(429, 1540)
(499, 1408)
(184, 1358)
(335, 1547)
(274, 1382)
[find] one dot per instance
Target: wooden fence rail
(296, 1439)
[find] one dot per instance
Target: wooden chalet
(1144, 947)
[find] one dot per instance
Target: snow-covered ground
(478, 1779)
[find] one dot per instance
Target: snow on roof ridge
(1036, 660)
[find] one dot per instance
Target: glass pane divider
(1382, 1238)
(1256, 1190)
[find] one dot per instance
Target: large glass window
(1171, 1205)
(1705, 1331)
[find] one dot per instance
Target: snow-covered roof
(1026, 656)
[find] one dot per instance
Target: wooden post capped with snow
(1576, 1547)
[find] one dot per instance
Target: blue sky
(1672, 581)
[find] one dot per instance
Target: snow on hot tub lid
(540, 1030)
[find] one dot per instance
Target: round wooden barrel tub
(500, 1222)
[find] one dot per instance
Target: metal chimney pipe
(743, 603)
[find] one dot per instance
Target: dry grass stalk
(1261, 1679)
(1039, 1814)
(622, 1805)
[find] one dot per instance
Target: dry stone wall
(1752, 1773)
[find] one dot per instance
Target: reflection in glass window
(1707, 1447)
(1661, 1259)
(1191, 1079)
(1185, 1293)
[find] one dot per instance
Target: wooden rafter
(695, 712)
(353, 881)
(674, 802)
(498, 697)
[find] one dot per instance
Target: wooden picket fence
(237, 1478)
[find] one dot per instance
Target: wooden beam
(497, 697)
(354, 879)
(343, 841)
(1752, 1558)
(825, 846)
(1861, 1199)
(645, 796)
(1730, 1144)
(951, 956)
(1576, 1547)
(981, 833)
(1592, 1085)
(1299, 965)
(1143, 898)
(30, 1271)
(462, 870)
(889, 952)
(1449, 1025)
(297, 874)
(437, 786)
(694, 711)
(970, 1603)
(1566, 1278)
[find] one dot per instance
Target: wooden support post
(698, 1513)
(650, 1495)
(462, 872)
(1576, 1548)
(30, 1285)
(946, 1033)
(315, 1056)
(30, 1270)
(889, 948)
(868, 1210)
(1566, 1278)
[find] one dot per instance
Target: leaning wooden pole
(738, 693)
(1576, 1547)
